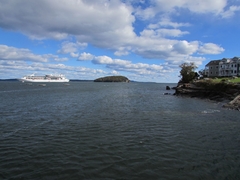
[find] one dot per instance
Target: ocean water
(88, 130)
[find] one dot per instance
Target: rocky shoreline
(229, 94)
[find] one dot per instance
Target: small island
(112, 79)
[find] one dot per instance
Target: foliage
(227, 79)
(112, 79)
(215, 84)
(235, 80)
(202, 73)
(187, 72)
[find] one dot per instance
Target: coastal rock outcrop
(220, 92)
(234, 104)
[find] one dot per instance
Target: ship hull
(43, 80)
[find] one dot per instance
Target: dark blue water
(88, 130)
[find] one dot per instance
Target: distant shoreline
(8, 79)
(70, 80)
(78, 80)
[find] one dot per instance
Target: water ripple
(115, 131)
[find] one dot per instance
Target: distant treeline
(77, 80)
(8, 80)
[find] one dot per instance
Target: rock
(215, 92)
(166, 93)
(168, 88)
(234, 104)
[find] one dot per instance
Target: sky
(144, 40)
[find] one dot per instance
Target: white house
(223, 68)
(229, 67)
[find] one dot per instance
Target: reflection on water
(114, 131)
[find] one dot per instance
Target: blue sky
(144, 40)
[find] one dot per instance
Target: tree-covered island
(112, 79)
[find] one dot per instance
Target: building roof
(213, 62)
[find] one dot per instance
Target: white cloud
(175, 61)
(70, 47)
(60, 59)
(21, 68)
(166, 22)
(114, 73)
(74, 55)
(184, 47)
(210, 48)
(12, 53)
(162, 33)
(102, 60)
(20, 54)
(145, 14)
(128, 66)
(230, 12)
(85, 57)
(90, 20)
(98, 23)
(171, 32)
(122, 51)
(205, 6)
(196, 6)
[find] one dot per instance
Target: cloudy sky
(144, 40)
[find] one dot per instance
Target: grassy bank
(218, 84)
(225, 79)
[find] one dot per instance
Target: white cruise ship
(46, 78)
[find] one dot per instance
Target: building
(223, 68)
(229, 67)
(212, 68)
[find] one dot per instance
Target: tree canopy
(187, 72)
(112, 79)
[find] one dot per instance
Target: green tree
(187, 72)
(202, 73)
